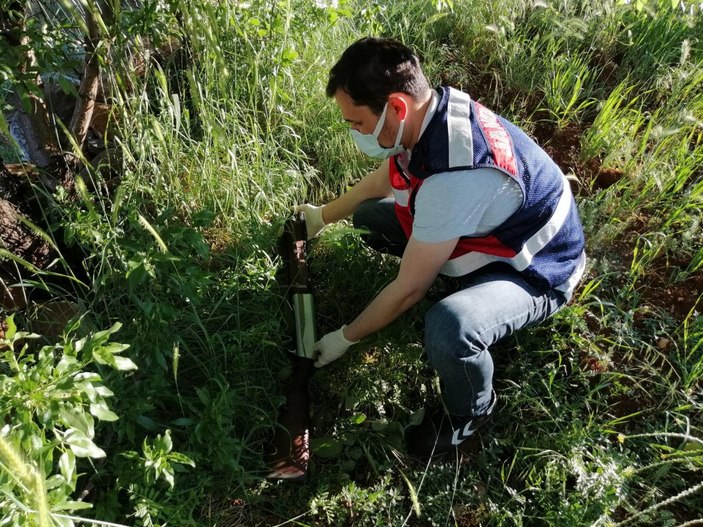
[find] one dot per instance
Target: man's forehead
(350, 110)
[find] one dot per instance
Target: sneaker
(440, 432)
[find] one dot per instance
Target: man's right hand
(331, 347)
(313, 219)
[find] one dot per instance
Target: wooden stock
(289, 452)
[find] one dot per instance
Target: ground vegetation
(144, 346)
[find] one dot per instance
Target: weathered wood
(88, 89)
(40, 115)
(21, 241)
(31, 121)
(15, 203)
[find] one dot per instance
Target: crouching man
(460, 192)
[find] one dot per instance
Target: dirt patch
(679, 300)
(564, 146)
(656, 288)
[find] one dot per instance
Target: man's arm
(374, 185)
(419, 267)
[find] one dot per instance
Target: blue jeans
(487, 305)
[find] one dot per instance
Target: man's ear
(398, 105)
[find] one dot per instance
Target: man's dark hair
(372, 68)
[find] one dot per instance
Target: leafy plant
(52, 400)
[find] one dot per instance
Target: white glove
(331, 347)
(313, 219)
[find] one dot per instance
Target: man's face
(362, 119)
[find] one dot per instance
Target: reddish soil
(564, 146)
(679, 300)
(655, 289)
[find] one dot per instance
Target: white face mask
(368, 143)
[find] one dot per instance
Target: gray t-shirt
(464, 203)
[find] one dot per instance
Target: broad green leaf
(88, 389)
(67, 466)
(203, 218)
(78, 420)
(82, 445)
(359, 418)
(72, 506)
(86, 376)
(147, 422)
(137, 274)
(61, 521)
(164, 443)
(103, 357)
(104, 391)
(101, 337)
(167, 474)
(326, 447)
(65, 365)
(124, 364)
(417, 417)
(54, 482)
(102, 412)
(184, 421)
(115, 347)
(177, 457)
(11, 327)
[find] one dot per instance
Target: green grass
(599, 420)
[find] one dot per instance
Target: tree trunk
(31, 123)
(36, 129)
(88, 89)
(16, 237)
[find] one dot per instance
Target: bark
(31, 123)
(19, 240)
(15, 237)
(88, 89)
(16, 203)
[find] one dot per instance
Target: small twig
(691, 523)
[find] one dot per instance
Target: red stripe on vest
(498, 139)
(398, 182)
(487, 244)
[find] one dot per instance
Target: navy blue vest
(544, 238)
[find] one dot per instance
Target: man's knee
(382, 231)
(448, 335)
(363, 217)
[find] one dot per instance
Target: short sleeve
(464, 203)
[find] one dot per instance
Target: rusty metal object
(289, 452)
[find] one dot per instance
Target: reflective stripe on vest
(543, 239)
(471, 259)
